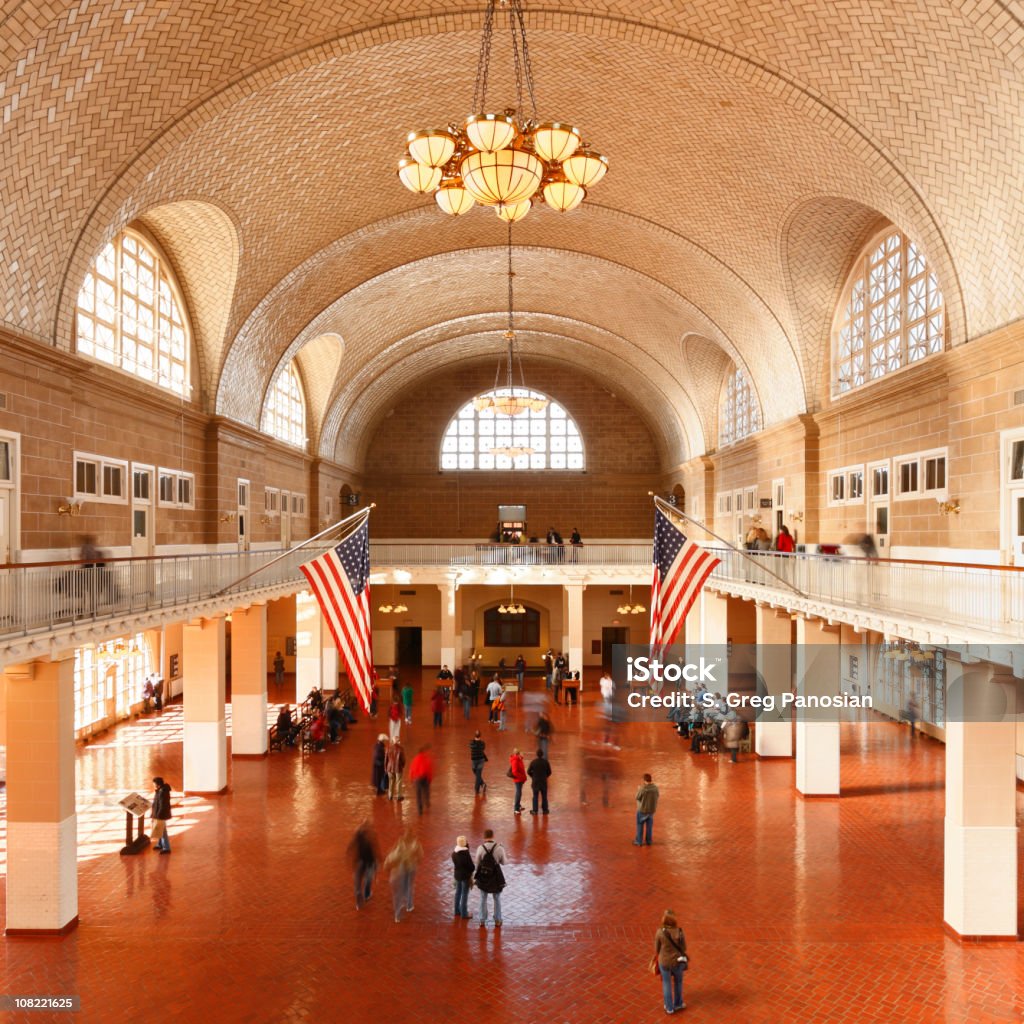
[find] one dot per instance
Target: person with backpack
(671, 959)
(462, 860)
(489, 878)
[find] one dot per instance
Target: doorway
(8, 498)
(286, 519)
(610, 636)
(1013, 497)
(409, 647)
(243, 515)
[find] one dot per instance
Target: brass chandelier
(508, 160)
(629, 608)
(511, 608)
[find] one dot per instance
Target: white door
(286, 519)
(8, 500)
(243, 515)
(6, 524)
(1016, 498)
(143, 540)
(1013, 513)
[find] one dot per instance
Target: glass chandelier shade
(510, 159)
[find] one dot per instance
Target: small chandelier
(511, 608)
(629, 608)
(506, 160)
(387, 608)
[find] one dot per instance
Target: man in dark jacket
(539, 772)
(646, 805)
(161, 812)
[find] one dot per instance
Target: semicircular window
(479, 437)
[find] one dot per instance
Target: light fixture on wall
(796, 517)
(71, 508)
(511, 608)
(265, 520)
(508, 160)
(629, 608)
(229, 517)
(950, 508)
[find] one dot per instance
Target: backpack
(489, 876)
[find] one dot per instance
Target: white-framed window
(855, 485)
(271, 500)
(891, 314)
(922, 475)
(284, 412)
(750, 498)
(130, 314)
(878, 480)
(836, 488)
(474, 434)
(846, 486)
(739, 412)
(176, 489)
(724, 504)
(779, 493)
(243, 494)
(298, 504)
(100, 479)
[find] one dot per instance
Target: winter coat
(647, 798)
(476, 750)
(162, 803)
(667, 944)
(463, 861)
(394, 760)
(515, 762)
(539, 772)
(733, 732)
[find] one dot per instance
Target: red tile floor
(794, 911)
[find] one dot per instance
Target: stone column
(574, 610)
(204, 753)
(449, 625)
(714, 618)
(773, 735)
(330, 658)
(42, 844)
(692, 631)
(309, 645)
(980, 866)
(249, 681)
(817, 732)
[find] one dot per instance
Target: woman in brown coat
(670, 950)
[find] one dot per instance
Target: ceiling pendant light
(502, 158)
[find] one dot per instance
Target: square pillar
(574, 610)
(980, 865)
(249, 681)
(714, 618)
(692, 631)
(204, 750)
(42, 843)
(817, 731)
(773, 736)
(330, 659)
(309, 645)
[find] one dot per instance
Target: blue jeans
(364, 882)
(401, 891)
(672, 978)
(462, 897)
(541, 796)
(644, 824)
(438, 719)
(478, 771)
(518, 806)
(465, 706)
(497, 907)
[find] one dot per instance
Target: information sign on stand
(135, 805)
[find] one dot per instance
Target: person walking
(437, 706)
(672, 960)
(421, 772)
(407, 702)
(520, 670)
(394, 719)
(161, 811)
(478, 759)
(462, 860)
(401, 863)
(499, 712)
(494, 691)
(733, 732)
(517, 773)
(394, 765)
(489, 877)
(379, 778)
(464, 691)
(365, 856)
(279, 668)
(539, 773)
(646, 804)
(543, 730)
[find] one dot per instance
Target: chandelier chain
(483, 63)
(523, 70)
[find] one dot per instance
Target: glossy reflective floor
(823, 910)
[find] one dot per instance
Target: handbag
(508, 772)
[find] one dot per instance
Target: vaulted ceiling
(753, 149)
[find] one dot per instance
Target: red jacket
(784, 543)
(422, 767)
(515, 762)
(395, 713)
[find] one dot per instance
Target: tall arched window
(130, 314)
(891, 314)
(473, 436)
(284, 415)
(739, 413)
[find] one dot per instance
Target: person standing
(561, 667)
(539, 773)
(379, 778)
(733, 732)
(462, 860)
(549, 668)
(374, 696)
(489, 877)
(494, 691)
(437, 706)
(499, 712)
(394, 765)
(646, 804)
(421, 771)
(279, 668)
(517, 773)
(784, 542)
(464, 691)
(478, 758)
(575, 543)
(402, 862)
(474, 686)
(407, 702)
(670, 953)
(365, 855)
(520, 670)
(394, 719)
(161, 812)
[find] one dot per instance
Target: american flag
(680, 569)
(340, 580)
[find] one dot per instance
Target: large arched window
(739, 413)
(891, 313)
(130, 314)
(284, 415)
(472, 438)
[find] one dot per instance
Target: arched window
(130, 314)
(473, 437)
(739, 413)
(284, 415)
(891, 314)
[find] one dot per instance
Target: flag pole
(673, 511)
(362, 514)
